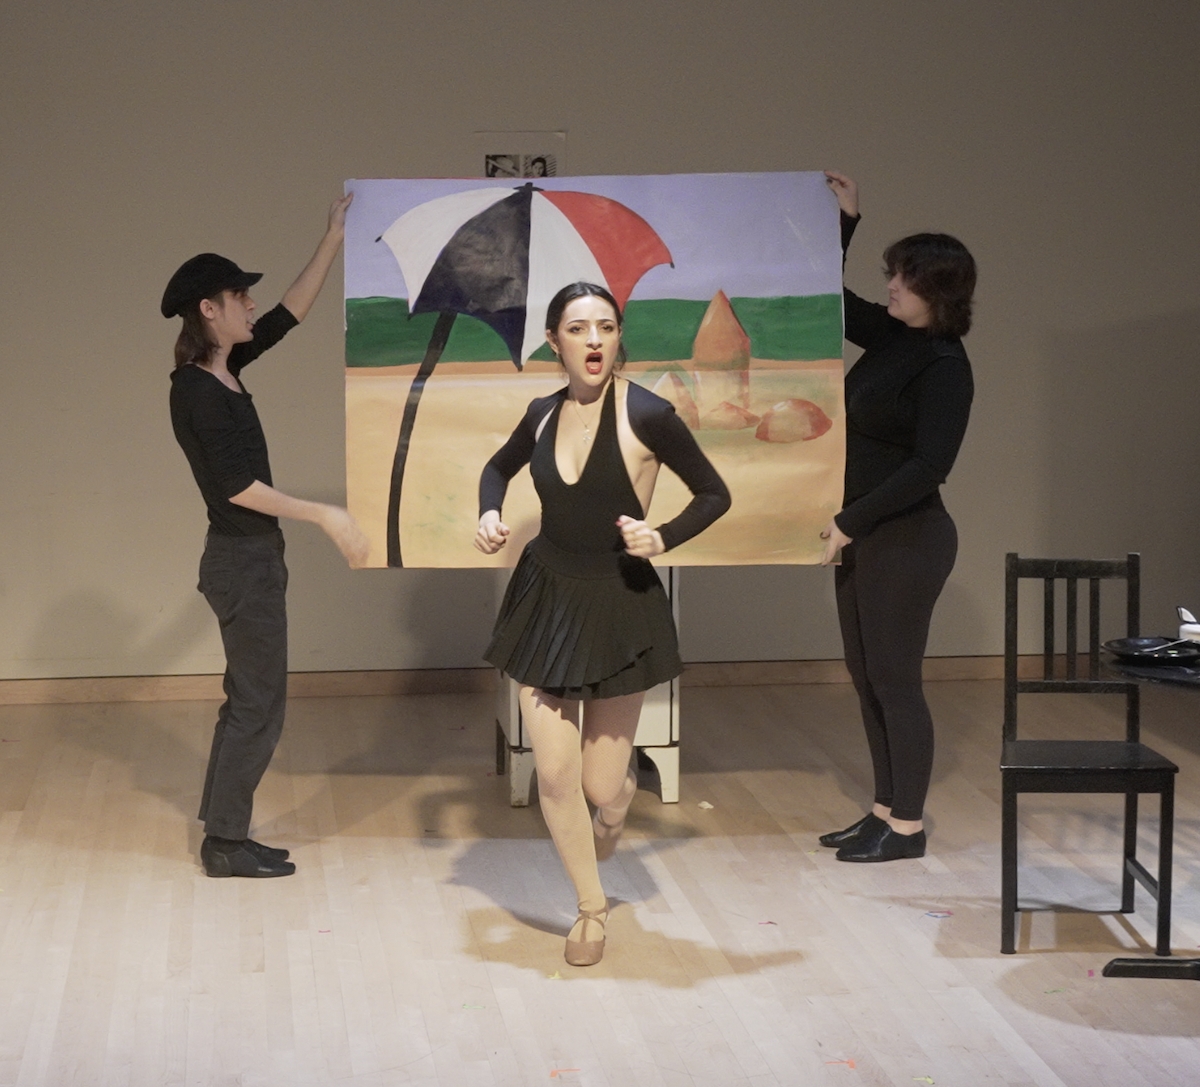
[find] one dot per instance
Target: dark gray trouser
(887, 585)
(244, 580)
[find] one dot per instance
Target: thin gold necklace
(587, 430)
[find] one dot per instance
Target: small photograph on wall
(539, 165)
(520, 154)
(730, 285)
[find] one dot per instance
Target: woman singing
(907, 402)
(585, 618)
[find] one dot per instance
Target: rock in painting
(671, 387)
(727, 416)
(793, 421)
(721, 357)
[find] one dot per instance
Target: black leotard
(581, 618)
(656, 425)
(582, 517)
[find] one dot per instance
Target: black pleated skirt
(585, 626)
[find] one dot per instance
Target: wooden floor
(421, 940)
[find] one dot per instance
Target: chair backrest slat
(1070, 572)
(1134, 603)
(1102, 568)
(1010, 645)
(1048, 630)
(1072, 628)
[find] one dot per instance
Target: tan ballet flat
(605, 836)
(587, 952)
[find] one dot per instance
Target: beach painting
(731, 291)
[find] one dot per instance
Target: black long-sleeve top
(219, 431)
(908, 399)
(657, 426)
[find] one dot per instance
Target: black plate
(1151, 651)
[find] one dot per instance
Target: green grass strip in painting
(792, 329)
(380, 332)
(661, 329)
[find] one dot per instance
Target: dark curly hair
(572, 291)
(939, 270)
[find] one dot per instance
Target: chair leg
(1129, 852)
(1166, 839)
(1008, 870)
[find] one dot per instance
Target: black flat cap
(204, 276)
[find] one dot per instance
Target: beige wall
(1059, 140)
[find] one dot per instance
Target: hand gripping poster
(730, 286)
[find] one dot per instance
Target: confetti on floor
(705, 805)
(474, 1007)
(922, 1079)
(556, 976)
(767, 923)
(555, 1073)
(940, 913)
(849, 1063)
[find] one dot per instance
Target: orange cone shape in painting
(721, 358)
(721, 343)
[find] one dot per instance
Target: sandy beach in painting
(783, 492)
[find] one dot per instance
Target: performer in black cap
(242, 574)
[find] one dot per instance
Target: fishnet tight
(575, 765)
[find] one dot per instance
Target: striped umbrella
(500, 255)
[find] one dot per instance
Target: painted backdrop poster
(731, 289)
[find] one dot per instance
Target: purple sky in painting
(750, 235)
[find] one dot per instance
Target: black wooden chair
(1080, 766)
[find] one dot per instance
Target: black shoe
(267, 852)
(884, 846)
(865, 826)
(242, 860)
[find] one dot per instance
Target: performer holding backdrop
(585, 618)
(242, 573)
(907, 403)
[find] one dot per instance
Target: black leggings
(887, 586)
